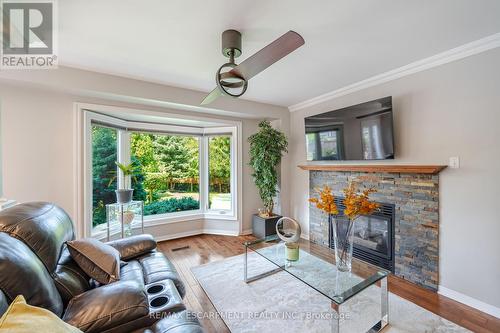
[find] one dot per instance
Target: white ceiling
(177, 42)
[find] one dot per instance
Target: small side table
(127, 215)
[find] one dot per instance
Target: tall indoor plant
(267, 147)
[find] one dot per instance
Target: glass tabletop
(316, 268)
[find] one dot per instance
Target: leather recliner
(35, 262)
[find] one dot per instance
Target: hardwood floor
(208, 248)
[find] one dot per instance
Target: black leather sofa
(35, 262)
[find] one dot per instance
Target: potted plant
(267, 147)
(124, 194)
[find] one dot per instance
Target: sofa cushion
(42, 226)
(133, 271)
(157, 267)
(106, 307)
(21, 318)
(70, 279)
(22, 273)
(134, 246)
(100, 261)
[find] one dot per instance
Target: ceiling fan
(232, 79)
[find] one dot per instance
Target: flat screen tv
(358, 132)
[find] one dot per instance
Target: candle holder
(292, 253)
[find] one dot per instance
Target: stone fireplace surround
(416, 200)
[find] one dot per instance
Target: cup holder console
(155, 289)
(163, 297)
(158, 302)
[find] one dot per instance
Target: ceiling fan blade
(214, 94)
(270, 54)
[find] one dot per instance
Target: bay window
(180, 171)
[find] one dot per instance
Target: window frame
(211, 132)
(124, 128)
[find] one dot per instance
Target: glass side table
(126, 217)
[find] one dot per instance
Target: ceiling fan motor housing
(231, 42)
(232, 79)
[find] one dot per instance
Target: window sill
(100, 232)
(217, 216)
(159, 219)
(168, 219)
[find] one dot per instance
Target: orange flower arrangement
(356, 204)
(326, 201)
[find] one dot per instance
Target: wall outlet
(454, 162)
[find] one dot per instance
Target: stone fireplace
(403, 236)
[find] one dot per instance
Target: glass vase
(127, 230)
(343, 238)
(126, 219)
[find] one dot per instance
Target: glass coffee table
(316, 269)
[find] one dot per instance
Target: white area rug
(281, 303)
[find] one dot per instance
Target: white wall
(38, 136)
(451, 110)
(37, 144)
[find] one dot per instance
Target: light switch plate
(454, 162)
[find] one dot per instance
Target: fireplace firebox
(373, 235)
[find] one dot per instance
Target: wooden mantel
(389, 168)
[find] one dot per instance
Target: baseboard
(467, 300)
(178, 235)
(196, 232)
(246, 232)
(221, 232)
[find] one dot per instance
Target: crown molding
(457, 53)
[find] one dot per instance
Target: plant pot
(124, 196)
(263, 227)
